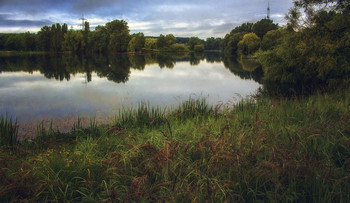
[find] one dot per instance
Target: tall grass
(8, 131)
(262, 150)
(144, 115)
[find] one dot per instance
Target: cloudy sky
(183, 18)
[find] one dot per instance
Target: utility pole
(268, 11)
(82, 22)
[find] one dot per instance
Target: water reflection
(113, 67)
(34, 87)
(245, 68)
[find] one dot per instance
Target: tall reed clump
(144, 115)
(192, 108)
(8, 131)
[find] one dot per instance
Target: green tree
(249, 44)
(179, 48)
(86, 27)
(119, 35)
(137, 42)
(161, 42)
(57, 37)
(193, 42)
(150, 43)
(212, 43)
(261, 27)
(13, 43)
(74, 41)
(315, 56)
(86, 33)
(44, 38)
(272, 39)
(98, 40)
(198, 48)
(170, 39)
(245, 27)
(312, 10)
(28, 41)
(230, 43)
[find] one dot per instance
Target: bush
(249, 44)
(198, 48)
(179, 48)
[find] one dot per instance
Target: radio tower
(82, 22)
(268, 11)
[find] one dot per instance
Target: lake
(59, 86)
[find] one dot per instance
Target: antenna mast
(82, 22)
(268, 10)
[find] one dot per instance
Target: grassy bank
(258, 150)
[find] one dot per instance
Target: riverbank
(258, 150)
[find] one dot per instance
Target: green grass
(8, 131)
(261, 150)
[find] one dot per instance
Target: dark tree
(261, 27)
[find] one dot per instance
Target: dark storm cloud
(4, 21)
(33, 7)
(153, 17)
(90, 5)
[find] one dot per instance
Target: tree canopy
(313, 52)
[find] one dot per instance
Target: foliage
(74, 41)
(114, 36)
(170, 39)
(119, 36)
(98, 40)
(313, 10)
(263, 26)
(193, 42)
(272, 38)
(244, 28)
(314, 57)
(137, 42)
(230, 43)
(212, 43)
(161, 42)
(198, 48)
(28, 42)
(164, 42)
(50, 38)
(13, 42)
(150, 43)
(249, 44)
(179, 48)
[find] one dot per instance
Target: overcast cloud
(183, 18)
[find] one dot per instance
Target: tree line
(311, 52)
(246, 39)
(114, 36)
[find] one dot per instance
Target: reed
(8, 131)
(144, 115)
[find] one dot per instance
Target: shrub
(199, 48)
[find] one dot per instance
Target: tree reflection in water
(117, 67)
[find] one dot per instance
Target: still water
(35, 87)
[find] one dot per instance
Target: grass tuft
(8, 131)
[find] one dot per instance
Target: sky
(183, 18)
